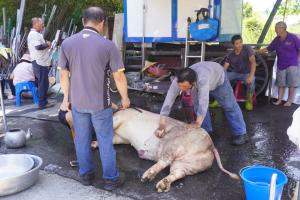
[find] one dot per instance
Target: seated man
(242, 65)
(23, 72)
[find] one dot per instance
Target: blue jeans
(101, 120)
(41, 74)
(233, 77)
(224, 95)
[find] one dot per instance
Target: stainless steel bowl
(21, 182)
(12, 165)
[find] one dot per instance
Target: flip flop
(277, 103)
(287, 104)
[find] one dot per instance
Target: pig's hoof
(163, 185)
(148, 176)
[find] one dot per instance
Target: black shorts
(62, 118)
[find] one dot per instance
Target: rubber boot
(214, 104)
(249, 102)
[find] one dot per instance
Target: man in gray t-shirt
(202, 80)
(240, 64)
(87, 59)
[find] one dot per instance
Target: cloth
(210, 75)
(294, 130)
(42, 57)
(287, 50)
(233, 77)
(23, 72)
(240, 63)
(90, 58)
(289, 77)
(62, 118)
(224, 95)
(41, 74)
(84, 120)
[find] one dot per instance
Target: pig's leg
(165, 184)
(119, 140)
(150, 174)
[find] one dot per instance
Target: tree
(289, 7)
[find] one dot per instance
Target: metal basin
(21, 182)
(12, 165)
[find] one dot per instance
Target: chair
(26, 86)
(240, 95)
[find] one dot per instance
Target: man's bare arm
(121, 83)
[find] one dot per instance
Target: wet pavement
(268, 145)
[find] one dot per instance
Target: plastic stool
(26, 86)
(238, 93)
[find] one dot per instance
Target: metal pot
(21, 182)
(16, 138)
(14, 164)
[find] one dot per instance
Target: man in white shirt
(41, 61)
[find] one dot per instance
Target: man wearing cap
(287, 47)
(86, 61)
(41, 61)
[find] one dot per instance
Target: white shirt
(23, 73)
(42, 57)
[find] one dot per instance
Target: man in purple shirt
(287, 47)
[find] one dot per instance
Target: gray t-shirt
(90, 58)
(240, 63)
(210, 75)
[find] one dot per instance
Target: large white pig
(186, 151)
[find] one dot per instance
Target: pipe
(273, 187)
(3, 109)
(269, 22)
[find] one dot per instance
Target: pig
(187, 151)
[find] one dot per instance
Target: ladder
(188, 41)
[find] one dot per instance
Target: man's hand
(160, 132)
(49, 44)
(262, 51)
(249, 79)
(193, 125)
(125, 103)
(65, 106)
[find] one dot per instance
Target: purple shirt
(287, 50)
(240, 63)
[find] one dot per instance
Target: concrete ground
(268, 145)
(52, 186)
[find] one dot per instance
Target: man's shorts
(289, 77)
(62, 118)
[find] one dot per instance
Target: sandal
(277, 103)
(287, 104)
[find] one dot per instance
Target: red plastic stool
(238, 93)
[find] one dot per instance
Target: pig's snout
(141, 153)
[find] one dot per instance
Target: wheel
(261, 73)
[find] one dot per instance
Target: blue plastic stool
(26, 86)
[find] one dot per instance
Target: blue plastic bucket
(257, 182)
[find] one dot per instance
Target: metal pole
(143, 41)
(3, 109)
(202, 51)
(4, 21)
(269, 22)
